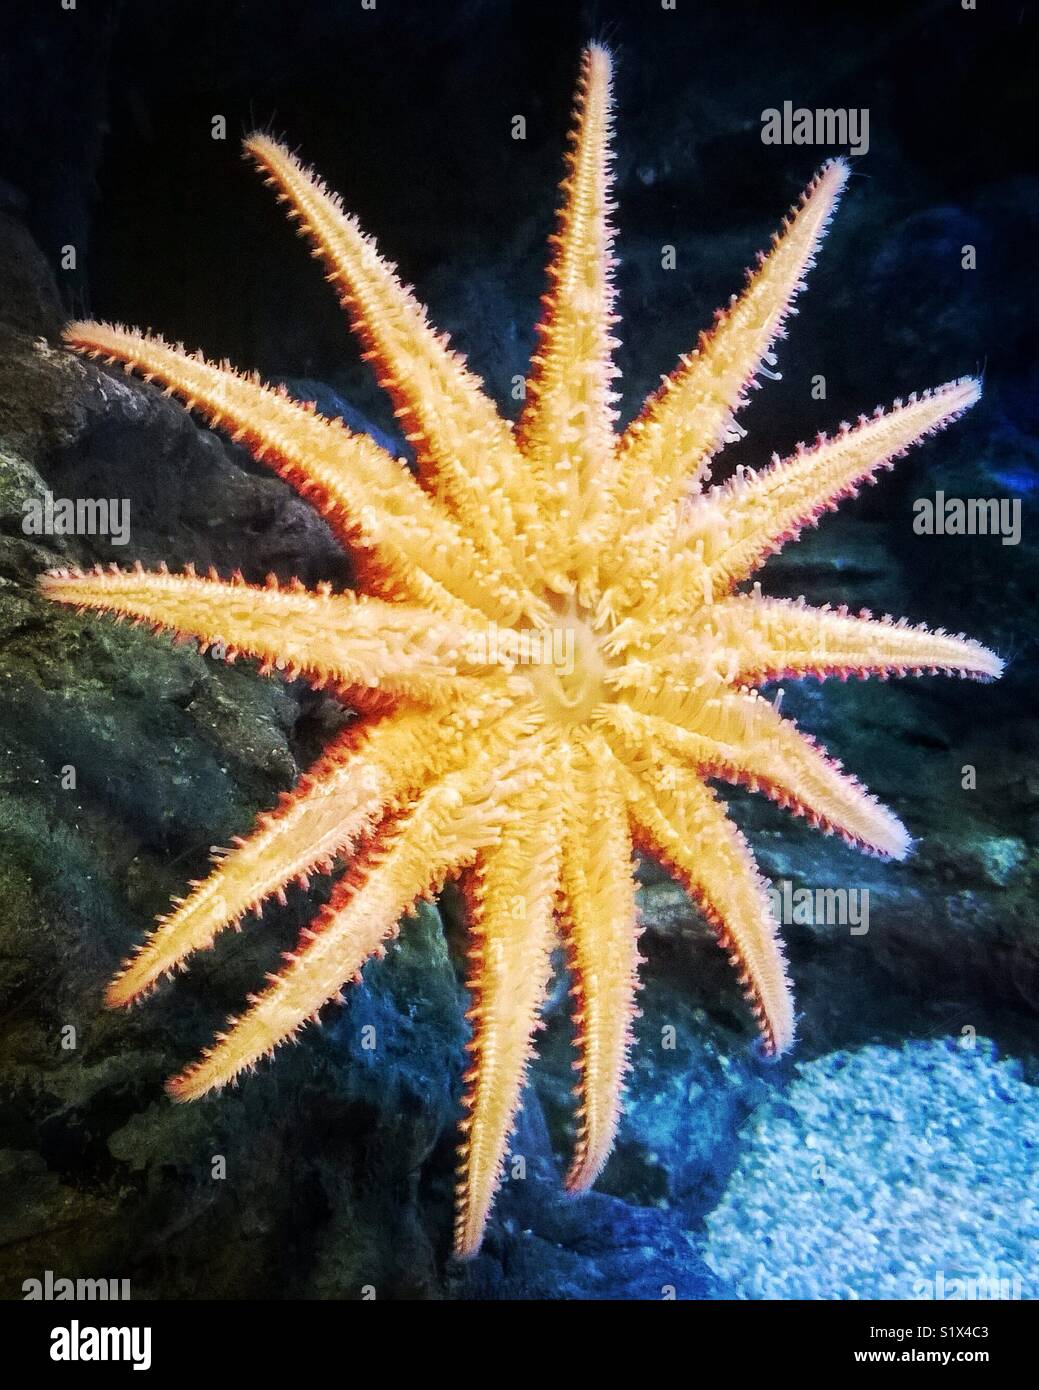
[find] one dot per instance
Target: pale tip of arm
(963, 393)
(898, 844)
(984, 664)
(258, 144)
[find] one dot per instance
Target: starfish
(549, 654)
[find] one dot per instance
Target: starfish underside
(535, 778)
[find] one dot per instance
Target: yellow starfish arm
(739, 736)
(510, 894)
(356, 645)
(754, 515)
(464, 447)
(364, 771)
(566, 427)
(677, 818)
(442, 831)
(666, 450)
(760, 639)
(597, 910)
(728, 532)
(369, 499)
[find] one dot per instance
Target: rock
(542, 1244)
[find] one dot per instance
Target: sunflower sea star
(535, 780)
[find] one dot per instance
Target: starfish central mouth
(570, 678)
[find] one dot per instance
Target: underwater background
(895, 1150)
